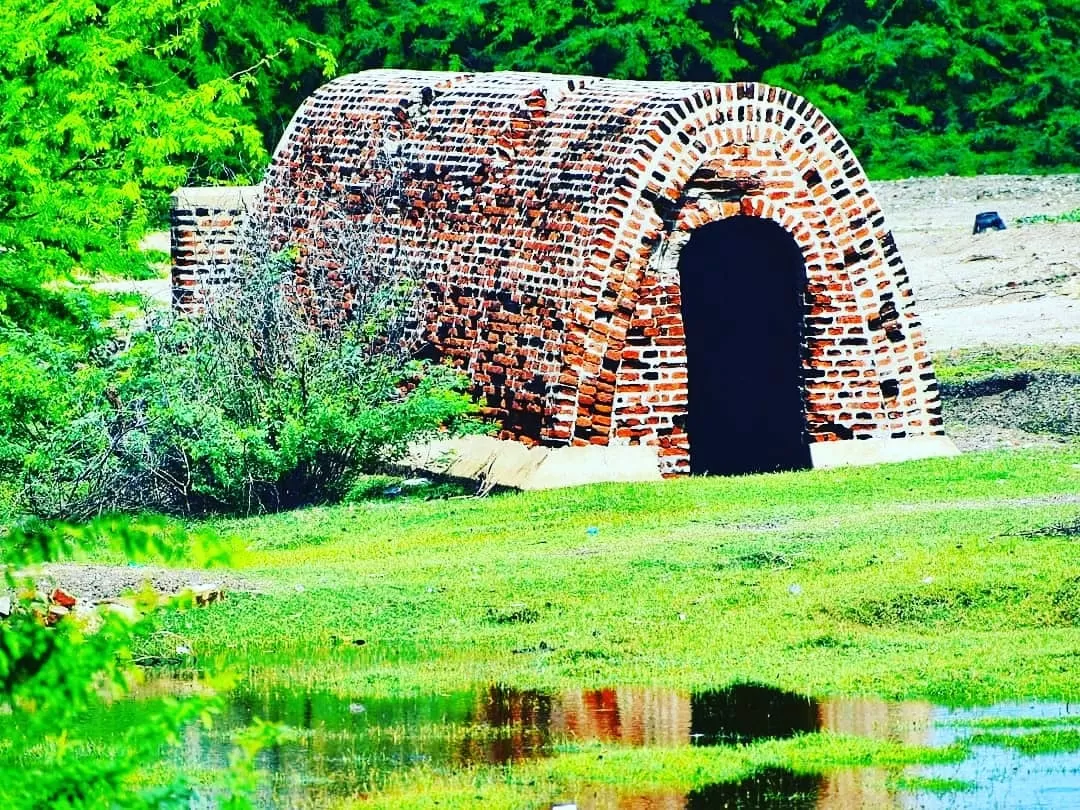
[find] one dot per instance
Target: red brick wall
(206, 228)
(543, 215)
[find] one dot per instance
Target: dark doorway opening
(743, 285)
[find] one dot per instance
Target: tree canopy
(106, 105)
(918, 86)
(99, 109)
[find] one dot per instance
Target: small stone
(357, 708)
(794, 589)
(207, 594)
(5, 606)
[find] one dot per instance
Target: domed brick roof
(545, 215)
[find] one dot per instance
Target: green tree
(918, 86)
(100, 118)
(934, 86)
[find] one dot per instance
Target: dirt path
(157, 290)
(93, 582)
(1017, 286)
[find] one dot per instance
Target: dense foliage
(918, 86)
(52, 677)
(249, 409)
(106, 107)
(100, 117)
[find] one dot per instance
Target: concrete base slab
(879, 451)
(512, 464)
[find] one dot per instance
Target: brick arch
(847, 251)
(672, 442)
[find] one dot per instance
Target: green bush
(27, 302)
(246, 409)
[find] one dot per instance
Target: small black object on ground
(988, 221)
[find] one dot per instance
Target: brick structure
(552, 220)
(206, 226)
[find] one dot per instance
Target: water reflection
(748, 712)
(1002, 777)
(638, 717)
(770, 788)
(350, 744)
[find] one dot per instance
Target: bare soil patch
(1017, 286)
(95, 582)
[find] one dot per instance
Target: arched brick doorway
(743, 282)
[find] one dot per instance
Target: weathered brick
(535, 209)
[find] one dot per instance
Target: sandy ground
(1017, 286)
(158, 291)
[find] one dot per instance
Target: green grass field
(942, 579)
(952, 580)
(965, 365)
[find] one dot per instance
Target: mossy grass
(1050, 219)
(968, 364)
(990, 723)
(930, 784)
(1033, 743)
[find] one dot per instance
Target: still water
(349, 745)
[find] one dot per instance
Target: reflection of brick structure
(907, 722)
(628, 716)
(545, 216)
